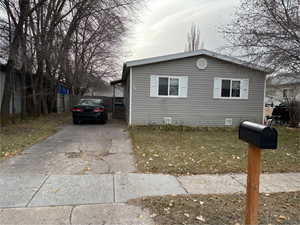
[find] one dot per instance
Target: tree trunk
(23, 94)
(5, 105)
(44, 104)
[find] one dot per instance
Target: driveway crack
(35, 193)
(233, 177)
(108, 165)
(71, 215)
(114, 188)
(181, 184)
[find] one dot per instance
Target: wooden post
(254, 167)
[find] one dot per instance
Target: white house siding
(199, 108)
(275, 93)
(106, 91)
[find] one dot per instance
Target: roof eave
(171, 57)
(125, 71)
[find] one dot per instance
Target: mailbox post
(259, 137)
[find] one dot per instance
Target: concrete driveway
(69, 179)
(76, 150)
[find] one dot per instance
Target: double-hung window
(231, 88)
(168, 86)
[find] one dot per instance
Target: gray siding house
(199, 88)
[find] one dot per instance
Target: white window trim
(169, 96)
(231, 79)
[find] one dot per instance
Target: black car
(89, 110)
(281, 113)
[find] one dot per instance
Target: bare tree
(13, 27)
(194, 42)
(267, 32)
(72, 42)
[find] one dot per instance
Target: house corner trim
(130, 97)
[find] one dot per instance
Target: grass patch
(184, 150)
(16, 137)
(277, 208)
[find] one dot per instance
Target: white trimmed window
(228, 88)
(287, 93)
(168, 86)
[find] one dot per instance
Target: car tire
(102, 121)
(76, 121)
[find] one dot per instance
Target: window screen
(174, 86)
(236, 88)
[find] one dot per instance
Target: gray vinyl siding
(199, 108)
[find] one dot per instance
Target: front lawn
(182, 150)
(16, 137)
(277, 208)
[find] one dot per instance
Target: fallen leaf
(186, 215)
(282, 217)
(200, 218)
(56, 190)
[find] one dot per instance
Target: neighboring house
(282, 86)
(104, 89)
(200, 88)
(64, 99)
(112, 95)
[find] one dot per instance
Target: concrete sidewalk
(64, 190)
(101, 199)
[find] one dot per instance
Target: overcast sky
(163, 26)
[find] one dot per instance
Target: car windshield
(90, 102)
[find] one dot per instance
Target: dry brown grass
(16, 137)
(278, 208)
(182, 150)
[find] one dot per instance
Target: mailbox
(261, 136)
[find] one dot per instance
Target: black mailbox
(259, 135)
